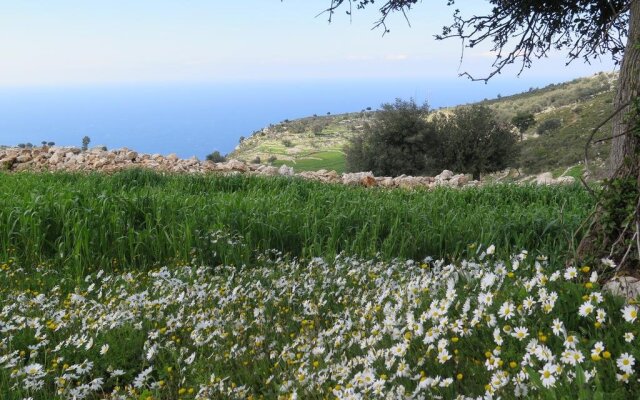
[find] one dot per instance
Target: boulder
(444, 175)
(566, 180)
(359, 178)
(268, 170)
(23, 158)
(285, 170)
(545, 178)
(626, 286)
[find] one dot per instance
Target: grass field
(329, 160)
(147, 286)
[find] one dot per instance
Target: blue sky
(62, 42)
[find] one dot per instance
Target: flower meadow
(343, 328)
(139, 285)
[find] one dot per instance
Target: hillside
(317, 142)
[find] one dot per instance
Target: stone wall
(98, 159)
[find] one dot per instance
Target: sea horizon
(195, 119)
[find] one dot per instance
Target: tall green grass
(138, 219)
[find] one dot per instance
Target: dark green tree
(520, 32)
(523, 121)
(216, 157)
(474, 141)
(85, 143)
(399, 141)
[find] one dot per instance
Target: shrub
(400, 141)
(549, 125)
(85, 143)
(474, 141)
(287, 143)
(216, 157)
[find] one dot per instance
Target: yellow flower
(513, 364)
(606, 354)
(459, 377)
(182, 391)
(595, 357)
(585, 269)
(588, 285)
(455, 339)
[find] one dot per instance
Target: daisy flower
(547, 375)
(506, 310)
(625, 362)
(628, 337)
(520, 333)
(585, 309)
(570, 273)
(630, 313)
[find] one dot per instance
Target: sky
(80, 42)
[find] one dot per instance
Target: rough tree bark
(615, 227)
(624, 145)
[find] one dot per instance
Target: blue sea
(196, 119)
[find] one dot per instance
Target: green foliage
(139, 219)
(287, 143)
(216, 157)
(474, 141)
(400, 141)
(523, 121)
(85, 143)
(549, 125)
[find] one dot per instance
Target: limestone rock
(285, 170)
(444, 175)
(626, 286)
(545, 178)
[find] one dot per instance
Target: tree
(520, 32)
(523, 121)
(85, 143)
(474, 141)
(216, 157)
(400, 141)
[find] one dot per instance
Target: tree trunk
(623, 143)
(614, 229)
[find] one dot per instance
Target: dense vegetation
(140, 219)
(150, 286)
(405, 138)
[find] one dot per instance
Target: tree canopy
(521, 31)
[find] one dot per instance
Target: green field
(329, 160)
(140, 285)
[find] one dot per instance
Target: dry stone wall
(98, 159)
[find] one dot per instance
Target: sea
(197, 119)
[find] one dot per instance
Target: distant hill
(574, 107)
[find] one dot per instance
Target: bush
(474, 141)
(256, 160)
(523, 121)
(317, 129)
(272, 159)
(216, 157)
(549, 125)
(287, 143)
(400, 141)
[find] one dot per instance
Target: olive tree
(473, 140)
(399, 141)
